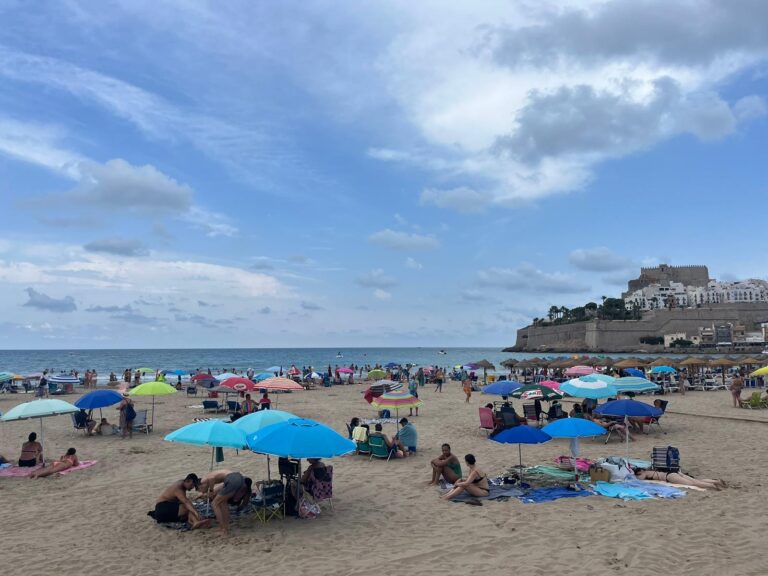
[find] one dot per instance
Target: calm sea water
(106, 361)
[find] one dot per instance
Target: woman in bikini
(475, 484)
(31, 452)
(67, 461)
(679, 478)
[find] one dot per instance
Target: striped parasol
(634, 384)
(279, 384)
(397, 400)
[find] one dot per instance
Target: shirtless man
(174, 506)
(234, 484)
(210, 480)
(445, 465)
(67, 461)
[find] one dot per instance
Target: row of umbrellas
(595, 361)
(589, 386)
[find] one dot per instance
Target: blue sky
(370, 173)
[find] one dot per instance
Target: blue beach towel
(549, 494)
(659, 490)
(620, 490)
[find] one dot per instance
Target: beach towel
(660, 490)
(621, 491)
(494, 493)
(552, 493)
(554, 472)
(25, 472)
(566, 462)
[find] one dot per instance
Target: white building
(675, 295)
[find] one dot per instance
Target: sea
(240, 359)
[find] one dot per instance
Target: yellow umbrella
(153, 389)
(760, 371)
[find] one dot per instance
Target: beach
(385, 517)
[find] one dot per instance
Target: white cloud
(403, 240)
(382, 294)
(376, 279)
(598, 260)
(38, 144)
(413, 264)
(212, 223)
(310, 306)
(528, 278)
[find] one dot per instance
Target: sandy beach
(385, 517)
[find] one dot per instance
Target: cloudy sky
(366, 173)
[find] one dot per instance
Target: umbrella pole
(152, 422)
(520, 453)
(213, 450)
(269, 473)
(626, 434)
(42, 441)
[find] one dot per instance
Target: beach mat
(552, 493)
(25, 472)
(495, 492)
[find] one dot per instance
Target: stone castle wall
(686, 275)
(622, 335)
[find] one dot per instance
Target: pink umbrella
(240, 384)
(579, 371)
(345, 371)
(551, 384)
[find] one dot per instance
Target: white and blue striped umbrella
(64, 379)
(580, 388)
(634, 384)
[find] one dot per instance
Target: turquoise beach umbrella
(213, 433)
(300, 438)
(39, 409)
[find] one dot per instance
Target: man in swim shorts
(234, 483)
(174, 506)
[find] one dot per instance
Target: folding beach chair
(487, 422)
(379, 448)
(191, 390)
(212, 406)
(233, 406)
(140, 422)
(655, 420)
(321, 490)
(529, 411)
(271, 503)
(80, 421)
(665, 459)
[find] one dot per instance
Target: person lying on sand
(679, 478)
(174, 506)
(67, 461)
(446, 465)
(475, 484)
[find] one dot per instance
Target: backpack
(130, 412)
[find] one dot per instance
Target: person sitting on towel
(475, 484)
(174, 506)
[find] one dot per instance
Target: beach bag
(619, 471)
(597, 473)
(307, 508)
(130, 412)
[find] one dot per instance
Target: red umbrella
(241, 384)
(197, 377)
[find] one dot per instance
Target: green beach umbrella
(153, 389)
(147, 370)
(534, 391)
(376, 374)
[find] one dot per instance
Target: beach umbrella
(153, 389)
(263, 376)
(626, 409)
(239, 384)
(509, 362)
(300, 438)
(391, 365)
(39, 409)
(279, 384)
(629, 363)
(345, 371)
(252, 423)
(312, 376)
(554, 384)
(661, 370)
(594, 390)
(198, 377)
(224, 375)
(634, 384)
(274, 369)
(376, 374)
(485, 365)
(64, 379)
(521, 435)
(635, 372)
(146, 370)
(176, 372)
(6, 376)
(579, 371)
(597, 377)
(213, 433)
(760, 371)
(573, 428)
(502, 387)
(396, 399)
(98, 399)
(536, 391)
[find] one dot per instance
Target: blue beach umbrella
(6, 376)
(253, 423)
(596, 377)
(635, 372)
(263, 376)
(634, 384)
(274, 369)
(98, 399)
(663, 370)
(213, 433)
(595, 389)
(502, 387)
(225, 375)
(573, 428)
(627, 409)
(521, 435)
(300, 438)
(391, 365)
(176, 372)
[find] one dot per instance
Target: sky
(316, 173)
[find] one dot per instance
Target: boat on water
(443, 352)
(339, 355)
